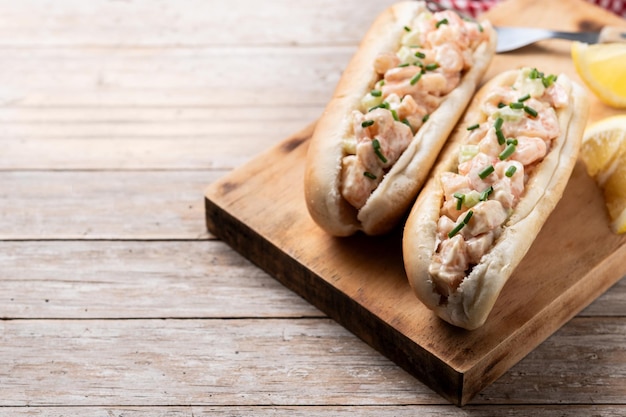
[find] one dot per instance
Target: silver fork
(511, 38)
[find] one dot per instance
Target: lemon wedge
(604, 153)
(603, 68)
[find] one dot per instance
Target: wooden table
(115, 300)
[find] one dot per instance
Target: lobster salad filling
(435, 51)
(519, 124)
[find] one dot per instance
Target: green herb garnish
(508, 151)
(486, 172)
(461, 225)
(460, 197)
(500, 136)
(530, 111)
(485, 194)
(377, 151)
(416, 78)
(510, 171)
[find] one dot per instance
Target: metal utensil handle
(612, 34)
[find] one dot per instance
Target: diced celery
(467, 152)
(407, 55)
(411, 38)
(349, 146)
(472, 198)
(508, 114)
(368, 101)
(526, 85)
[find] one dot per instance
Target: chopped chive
(523, 98)
(498, 123)
(367, 123)
(406, 64)
(381, 82)
(500, 136)
(431, 67)
(534, 73)
(369, 175)
(416, 78)
(511, 141)
(480, 28)
(461, 225)
(547, 81)
(383, 105)
(376, 93)
(456, 230)
(406, 122)
(441, 22)
(425, 118)
(485, 194)
(486, 172)
(406, 28)
(377, 151)
(508, 151)
(395, 115)
(460, 198)
(510, 171)
(516, 105)
(420, 55)
(501, 104)
(473, 127)
(530, 111)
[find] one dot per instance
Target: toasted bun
(395, 194)
(471, 303)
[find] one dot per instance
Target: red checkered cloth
(476, 7)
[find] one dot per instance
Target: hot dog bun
(392, 198)
(469, 304)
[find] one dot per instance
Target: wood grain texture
(315, 411)
(138, 279)
(250, 208)
(296, 362)
(565, 270)
(103, 205)
(114, 299)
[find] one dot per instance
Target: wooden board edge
(415, 359)
(576, 300)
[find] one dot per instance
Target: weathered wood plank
(319, 411)
(269, 362)
(173, 77)
(185, 22)
(583, 361)
(249, 207)
(103, 205)
(124, 279)
(118, 279)
(202, 362)
(143, 137)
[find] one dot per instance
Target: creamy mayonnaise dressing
(494, 163)
(435, 51)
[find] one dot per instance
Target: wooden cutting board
(360, 282)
